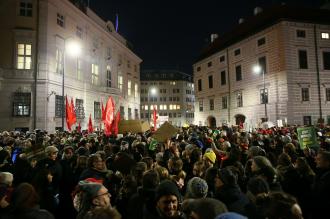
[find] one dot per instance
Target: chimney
(257, 10)
(241, 20)
(213, 37)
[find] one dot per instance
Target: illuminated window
(24, 56)
(97, 110)
(239, 99)
(108, 76)
(59, 61)
(95, 74)
(325, 35)
(120, 83)
(263, 96)
(22, 104)
(136, 90)
(129, 88)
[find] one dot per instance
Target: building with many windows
(37, 67)
(291, 46)
(171, 93)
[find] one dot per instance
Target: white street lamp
(151, 91)
(73, 49)
(257, 69)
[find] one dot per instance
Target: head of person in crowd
(209, 158)
(302, 167)
(230, 215)
(51, 152)
(210, 175)
(167, 199)
(148, 161)
(290, 149)
(138, 170)
(196, 188)
(205, 208)
(255, 187)
(196, 155)
(92, 195)
(323, 160)
(95, 162)
(278, 205)
(225, 177)
(175, 165)
(162, 172)
(179, 179)
(256, 151)
(6, 178)
(68, 153)
(24, 197)
(150, 181)
(199, 169)
(82, 162)
(262, 167)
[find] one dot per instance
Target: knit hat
(167, 187)
(196, 188)
(230, 215)
(227, 176)
(51, 149)
(6, 178)
(89, 188)
(210, 155)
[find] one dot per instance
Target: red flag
(109, 111)
(115, 123)
(155, 118)
(73, 113)
(68, 114)
(90, 124)
(103, 112)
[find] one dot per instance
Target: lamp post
(73, 49)
(153, 92)
(258, 69)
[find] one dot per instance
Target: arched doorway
(239, 119)
(211, 122)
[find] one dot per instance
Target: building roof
(164, 75)
(262, 20)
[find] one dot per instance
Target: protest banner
(307, 137)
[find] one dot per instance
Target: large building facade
(291, 46)
(171, 93)
(37, 67)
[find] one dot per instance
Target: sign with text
(307, 137)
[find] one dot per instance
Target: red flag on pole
(73, 113)
(68, 114)
(109, 111)
(155, 118)
(115, 123)
(90, 124)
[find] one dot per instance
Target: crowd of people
(199, 173)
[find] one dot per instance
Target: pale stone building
(171, 92)
(293, 48)
(36, 65)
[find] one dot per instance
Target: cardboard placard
(165, 131)
(134, 126)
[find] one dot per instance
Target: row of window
(262, 41)
(170, 115)
(161, 107)
(163, 99)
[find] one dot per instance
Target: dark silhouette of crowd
(198, 173)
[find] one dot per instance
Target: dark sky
(169, 34)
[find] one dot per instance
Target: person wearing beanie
(230, 215)
(196, 188)
(209, 158)
(167, 201)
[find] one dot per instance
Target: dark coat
(321, 194)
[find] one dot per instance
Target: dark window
(261, 41)
(122, 112)
(97, 110)
(129, 113)
(136, 113)
(238, 73)
(223, 78)
(224, 102)
(239, 99)
(22, 104)
(60, 19)
(198, 68)
(80, 111)
(142, 115)
(263, 63)
(210, 81)
(326, 60)
(201, 106)
(199, 84)
(209, 64)
(327, 94)
(170, 115)
(237, 52)
(108, 76)
(307, 120)
(211, 104)
(305, 94)
(59, 104)
(301, 33)
(264, 96)
(222, 58)
(303, 64)
(25, 9)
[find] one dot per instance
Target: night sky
(169, 34)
